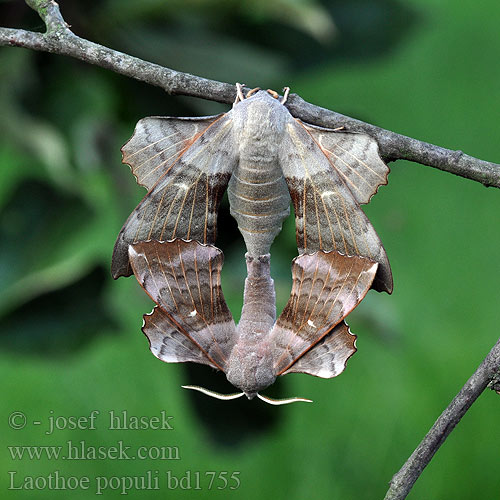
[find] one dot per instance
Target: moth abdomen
(259, 200)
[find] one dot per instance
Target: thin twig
(487, 372)
(59, 39)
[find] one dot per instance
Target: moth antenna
(285, 401)
(251, 92)
(239, 93)
(286, 91)
(217, 395)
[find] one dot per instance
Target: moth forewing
(158, 141)
(327, 215)
(355, 156)
(186, 187)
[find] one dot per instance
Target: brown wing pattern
(329, 356)
(184, 199)
(167, 343)
(355, 157)
(326, 288)
(158, 141)
(327, 215)
(183, 278)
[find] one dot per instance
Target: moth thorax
(250, 367)
(259, 124)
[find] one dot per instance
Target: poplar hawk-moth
(264, 156)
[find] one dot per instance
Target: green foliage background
(70, 339)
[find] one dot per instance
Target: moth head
(251, 368)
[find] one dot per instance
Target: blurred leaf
(37, 232)
(58, 322)
(308, 16)
(209, 54)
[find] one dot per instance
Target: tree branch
(487, 373)
(59, 39)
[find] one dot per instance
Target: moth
(266, 159)
(192, 323)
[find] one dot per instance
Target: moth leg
(273, 93)
(239, 93)
(251, 92)
(338, 128)
(286, 91)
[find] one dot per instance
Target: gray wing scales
(183, 200)
(157, 143)
(355, 157)
(167, 343)
(329, 356)
(327, 215)
(183, 278)
(326, 287)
